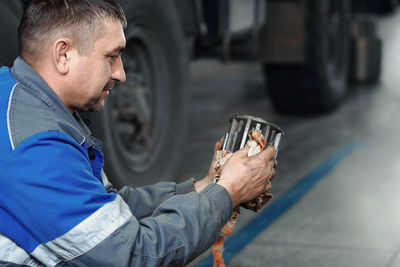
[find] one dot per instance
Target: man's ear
(62, 55)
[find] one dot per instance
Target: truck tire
(143, 125)
(388, 6)
(318, 84)
(380, 7)
(10, 16)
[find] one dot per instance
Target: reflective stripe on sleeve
(12, 253)
(85, 235)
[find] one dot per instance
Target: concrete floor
(348, 215)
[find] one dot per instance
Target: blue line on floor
(240, 239)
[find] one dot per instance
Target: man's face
(94, 75)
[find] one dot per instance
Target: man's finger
(268, 153)
(244, 151)
(218, 145)
(273, 174)
(268, 187)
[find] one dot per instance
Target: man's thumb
(244, 151)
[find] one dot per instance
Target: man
(56, 206)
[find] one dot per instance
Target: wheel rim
(133, 110)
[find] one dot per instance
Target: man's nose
(118, 72)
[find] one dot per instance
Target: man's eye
(112, 58)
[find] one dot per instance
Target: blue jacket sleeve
(48, 192)
(54, 208)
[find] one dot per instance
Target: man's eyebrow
(118, 49)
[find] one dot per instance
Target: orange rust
(259, 138)
(217, 248)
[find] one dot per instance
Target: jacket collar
(26, 75)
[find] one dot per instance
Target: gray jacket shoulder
(30, 114)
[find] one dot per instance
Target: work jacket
(57, 207)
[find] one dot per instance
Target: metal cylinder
(238, 134)
(237, 137)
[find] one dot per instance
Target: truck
(302, 45)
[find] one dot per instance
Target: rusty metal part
(244, 128)
(240, 127)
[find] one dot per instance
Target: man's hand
(201, 184)
(245, 177)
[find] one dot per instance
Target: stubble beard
(96, 103)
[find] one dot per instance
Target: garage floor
(336, 193)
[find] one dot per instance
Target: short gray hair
(80, 20)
